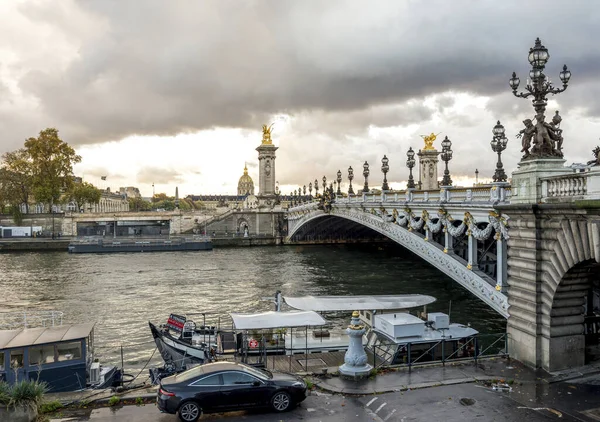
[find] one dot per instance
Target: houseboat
(62, 356)
(391, 323)
(101, 245)
(397, 331)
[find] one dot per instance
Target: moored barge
(139, 245)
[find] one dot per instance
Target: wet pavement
(317, 407)
(455, 403)
(452, 393)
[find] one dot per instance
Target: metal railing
(442, 351)
(29, 319)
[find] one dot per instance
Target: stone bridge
(457, 231)
(530, 251)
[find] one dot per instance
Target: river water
(122, 292)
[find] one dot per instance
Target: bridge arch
(572, 278)
(476, 282)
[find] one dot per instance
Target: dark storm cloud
(168, 68)
(158, 175)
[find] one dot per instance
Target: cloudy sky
(175, 93)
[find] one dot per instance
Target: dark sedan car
(226, 386)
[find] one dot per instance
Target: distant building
(130, 192)
(245, 185)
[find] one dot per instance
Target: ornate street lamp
(324, 184)
(410, 163)
(310, 190)
(366, 174)
(385, 168)
(476, 176)
(498, 144)
(350, 177)
(539, 87)
(339, 182)
(277, 193)
(304, 193)
(316, 188)
(446, 156)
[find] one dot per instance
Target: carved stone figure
(555, 127)
(596, 160)
(547, 137)
(527, 135)
(543, 143)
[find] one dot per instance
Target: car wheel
(281, 401)
(189, 411)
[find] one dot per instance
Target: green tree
(185, 204)
(159, 197)
(85, 193)
(138, 204)
(51, 162)
(16, 179)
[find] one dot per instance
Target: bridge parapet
(491, 194)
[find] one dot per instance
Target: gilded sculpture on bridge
(266, 131)
(429, 140)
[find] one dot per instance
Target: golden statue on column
(266, 140)
(429, 140)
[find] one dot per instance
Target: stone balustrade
(564, 188)
(490, 194)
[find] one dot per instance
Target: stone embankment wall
(28, 245)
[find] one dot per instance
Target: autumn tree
(85, 193)
(138, 204)
(51, 160)
(15, 181)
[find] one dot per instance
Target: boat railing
(390, 354)
(127, 240)
(29, 319)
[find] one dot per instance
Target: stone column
(472, 251)
(526, 185)
(266, 169)
(448, 241)
(501, 265)
(428, 173)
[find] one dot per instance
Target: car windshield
(262, 374)
(189, 374)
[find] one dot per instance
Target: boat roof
(357, 303)
(24, 337)
(272, 319)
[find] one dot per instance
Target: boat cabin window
(16, 358)
(69, 351)
(1, 362)
(40, 355)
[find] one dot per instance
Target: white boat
(387, 318)
(393, 334)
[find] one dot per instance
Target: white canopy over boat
(357, 303)
(276, 320)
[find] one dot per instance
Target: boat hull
(139, 246)
(176, 352)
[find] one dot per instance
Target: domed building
(245, 185)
